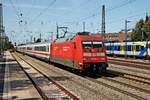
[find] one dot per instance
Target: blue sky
(41, 16)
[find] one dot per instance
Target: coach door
(122, 49)
(74, 63)
(133, 49)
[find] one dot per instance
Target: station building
(117, 37)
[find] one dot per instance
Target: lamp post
(126, 30)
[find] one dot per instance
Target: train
(82, 52)
(140, 49)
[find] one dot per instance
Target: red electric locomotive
(81, 52)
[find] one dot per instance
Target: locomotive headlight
(80, 63)
(100, 54)
(87, 54)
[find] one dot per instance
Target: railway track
(71, 79)
(141, 65)
(132, 69)
(129, 77)
(116, 89)
(127, 85)
(131, 61)
(140, 79)
(59, 90)
(124, 75)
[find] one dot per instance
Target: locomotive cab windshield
(93, 49)
(89, 45)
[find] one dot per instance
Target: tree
(136, 35)
(147, 17)
(142, 29)
(147, 28)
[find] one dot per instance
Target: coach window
(97, 44)
(36, 48)
(126, 48)
(47, 49)
(40, 48)
(113, 47)
(43, 48)
(138, 47)
(142, 47)
(87, 45)
(123, 47)
(29, 48)
(23, 48)
(118, 48)
(108, 47)
(129, 47)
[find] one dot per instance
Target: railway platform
(14, 84)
